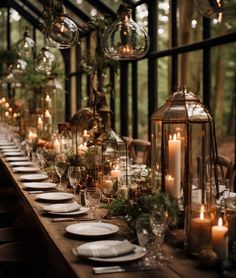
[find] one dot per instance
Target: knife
(118, 268)
(65, 219)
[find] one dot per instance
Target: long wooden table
(59, 245)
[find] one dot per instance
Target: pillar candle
(220, 240)
(85, 137)
(48, 101)
(40, 123)
(123, 191)
(174, 148)
(48, 116)
(57, 146)
(200, 232)
(169, 182)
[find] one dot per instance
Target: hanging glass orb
(19, 67)
(125, 39)
(44, 61)
(62, 32)
(25, 46)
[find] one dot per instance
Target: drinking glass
(74, 176)
(159, 221)
(146, 239)
(60, 167)
(109, 187)
(92, 198)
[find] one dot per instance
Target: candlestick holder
(184, 152)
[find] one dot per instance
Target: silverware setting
(67, 219)
(118, 268)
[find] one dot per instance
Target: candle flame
(220, 222)
(202, 212)
(174, 137)
(85, 132)
(178, 135)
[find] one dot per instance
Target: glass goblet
(159, 221)
(60, 167)
(146, 239)
(74, 176)
(92, 199)
(109, 187)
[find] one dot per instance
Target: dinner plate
(55, 196)
(9, 149)
(5, 143)
(34, 177)
(13, 153)
(17, 158)
(71, 213)
(26, 169)
(138, 253)
(39, 185)
(21, 163)
(92, 229)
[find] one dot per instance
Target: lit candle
(85, 137)
(32, 136)
(123, 191)
(169, 182)
(40, 123)
(48, 101)
(115, 173)
(48, 116)
(174, 147)
(82, 149)
(220, 240)
(57, 146)
(200, 232)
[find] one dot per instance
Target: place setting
(26, 169)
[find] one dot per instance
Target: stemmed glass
(109, 187)
(159, 221)
(74, 176)
(60, 167)
(146, 239)
(92, 198)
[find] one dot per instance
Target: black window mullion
(134, 99)
(112, 98)
(124, 98)
(206, 63)
(152, 62)
(174, 42)
(78, 78)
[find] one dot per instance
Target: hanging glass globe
(125, 39)
(62, 32)
(25, 46)
(44, 61)
(19, 67)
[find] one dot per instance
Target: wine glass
(159, 221)
(74, 176)
(109, 187)
(146, 239)
(60, 167)
(92, 198)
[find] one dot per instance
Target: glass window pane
(163, 80)
(142, 16)
(190, 70)
(223, 96)
(86, 7)
(3, 30)
(163, 24)
(142, 99)
(189, 23)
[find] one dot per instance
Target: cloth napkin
(106, 251)
(68, 207)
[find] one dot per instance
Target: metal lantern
(183, 152)
(114, 159)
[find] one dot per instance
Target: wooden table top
(62, 244)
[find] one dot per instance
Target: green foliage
(7, 57)
(74, 160)
(120, 206)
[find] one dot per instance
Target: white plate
(137, 254)
(9, 149)
(13, 153)
(21, 163)
(34, 177)
(5, 143)
(55, 196)
(17, 158)
(39, 185)
(71, 213)
(92, 229)
(26, 169)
